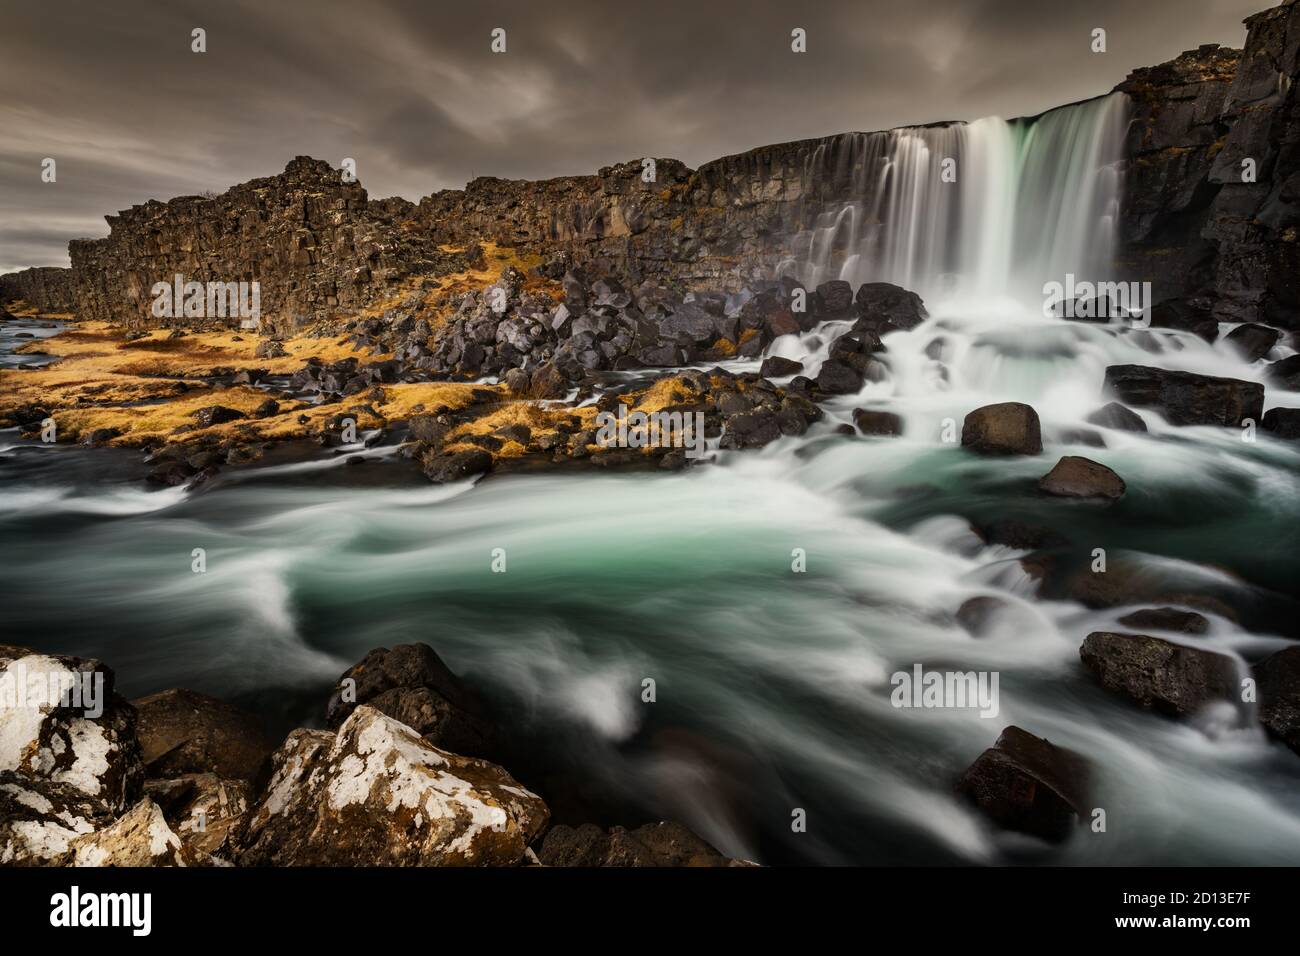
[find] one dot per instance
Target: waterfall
(988, 208)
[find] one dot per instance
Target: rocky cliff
(46, 288)
(1197, 222)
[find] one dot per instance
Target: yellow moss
(401, 399)
(724, 347)
(663, 394)
(154, 421)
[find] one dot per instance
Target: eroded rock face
(379, 794)
(1185, 398)
(184, 732)
(62, 722)
(1158, 674)
(141, 837)
(1007, 428)
(47, 288)
(1028, 784)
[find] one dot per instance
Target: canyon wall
(47, 288)
(318, 246)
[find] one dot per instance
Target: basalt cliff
(1211, 180)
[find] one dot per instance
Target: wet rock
(876, 422)
(1182, 315)
(184, 732)
(1185, 398)
(172, 473)
(838, 378)
(835, 297)
(101, 436)
(1075, 477)
(1158, 674)
(776, 367)
(216, 415)
(1253, 341)
(141, 837)
(1278, 680)
(1282, 422)
(1166, 619)
(40, 818)
(1114, 415)
(751, 430)
(1030, 785)
(1021, 535)
(1007, 428)
(664, 844)
(377, 794)
(1286, 373)
(73, 729)
(977, 614)
(898, 306)
(457, 466)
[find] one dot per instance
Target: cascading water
(989, 208)
(773, 687)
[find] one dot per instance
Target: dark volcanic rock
(1286, 373)
(216, 415)
(776, 367)
(890, 303)
(1253, 340)
(838, 378)
(1278, 678)
(876, 422)
(1008, 428)
(1282, 422)
(1028, 784)
(1075, 477)
(1185, 398)
(1114, 415)
(835, 296)
(183, 732)
(1159, 674)
(456, 466)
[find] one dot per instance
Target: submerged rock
(1185, 398)
(457, 466)
(876, 422)
(1075, 477)
(1114, 415)
(1158, 674)
(1007, 428)
(378, 794)
(1167, 619)
(1028, 784)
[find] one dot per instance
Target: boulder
(664, 844)
(71, 728)
(184, 732)
(141, 837)
(1030, 785)
(1158, 674)
(890, 303)
(835, 297)
(40, 818)
(1075, 477)
(776, 367)
(1008, 428)
(1185, 398)
(1282, 422)
(204, 810)
(876, 422)
(411, 684)
(216, 415)
(839, 378)
(1253, 341)
(1278, 681)
(457, 466)
(1286, 373)
(377, 794)
(1116, 416)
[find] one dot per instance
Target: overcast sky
(412, 91)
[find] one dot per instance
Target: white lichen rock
(40, 818)
(378, 794)
(61, 721)
(141, 837)
(205, 810)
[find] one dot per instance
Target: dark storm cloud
(412, 92)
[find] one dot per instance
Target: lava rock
(1028, 784)
(891, 303)
(774, 366)
(1185, 398)
(1007, 428)
(1169, 678)
(1076, 477)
